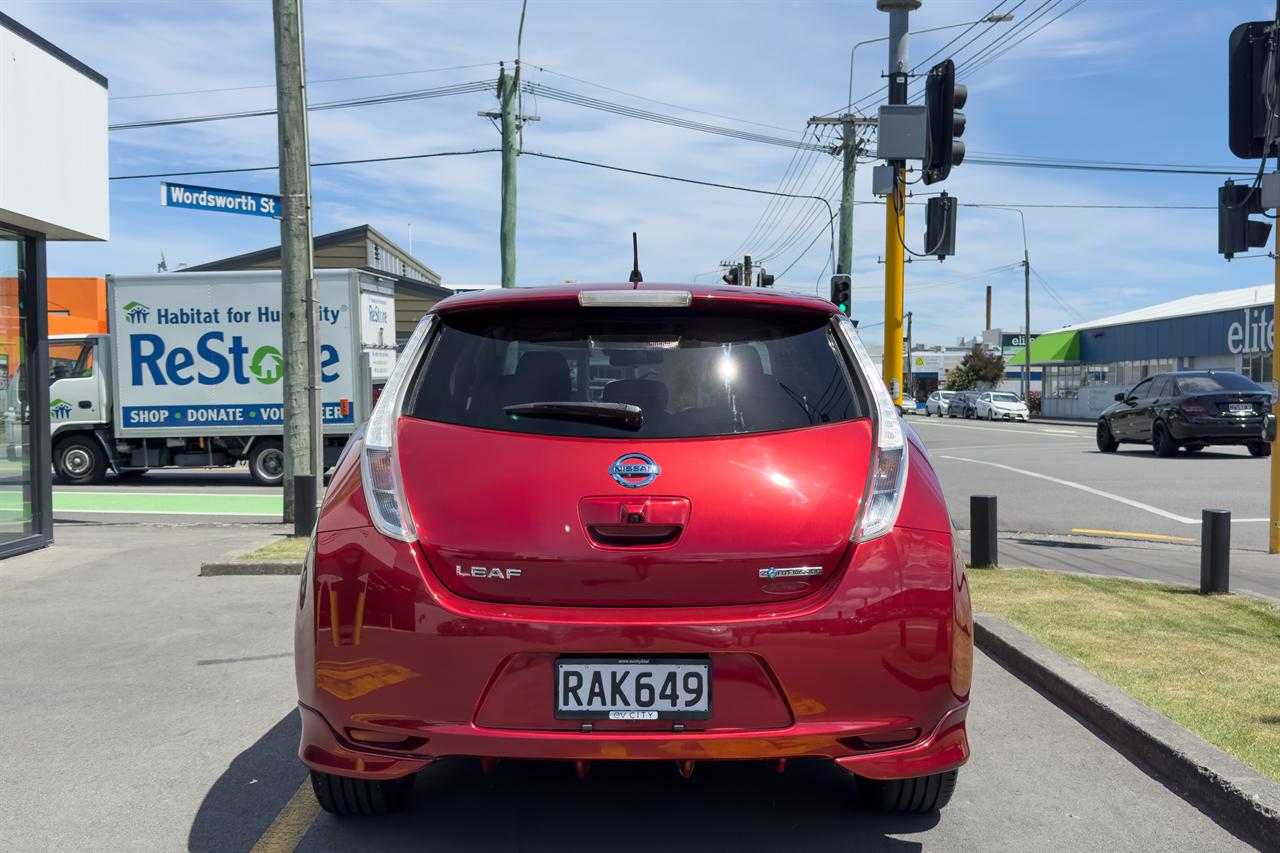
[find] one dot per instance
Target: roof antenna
(636, 278)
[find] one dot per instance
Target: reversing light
(888, 476)
(379, 462)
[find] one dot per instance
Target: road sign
(223, 201)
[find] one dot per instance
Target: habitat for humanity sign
(226, 201)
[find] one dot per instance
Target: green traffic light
(844, 307)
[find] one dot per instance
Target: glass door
(16, 503)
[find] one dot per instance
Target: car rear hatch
(740, 481)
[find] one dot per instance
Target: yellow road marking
(286, 831)
(1131, 535)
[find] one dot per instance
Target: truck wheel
(266, 462)
(79, 461)
(919, 795)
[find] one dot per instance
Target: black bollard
(982, 531)
(1215, 551)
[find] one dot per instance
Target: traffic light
(1248, 91)
(1236, 231)
(764, 279)
(842, 293)
(940, 225)
(943, 98)
(733, 276)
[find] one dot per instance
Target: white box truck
(189, 374)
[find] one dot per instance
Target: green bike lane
(156, 502)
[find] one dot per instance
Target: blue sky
(1111, 80)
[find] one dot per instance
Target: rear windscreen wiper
(613, 414)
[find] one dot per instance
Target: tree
(977, 368)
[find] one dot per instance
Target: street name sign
(223, 201)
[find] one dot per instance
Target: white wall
(53, 143)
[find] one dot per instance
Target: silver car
(937, 403)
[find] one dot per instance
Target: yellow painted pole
(1273, 544)
(893, 263)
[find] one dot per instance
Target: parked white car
(937, 403)
(1002, 406)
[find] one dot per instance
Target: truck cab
(79, 406)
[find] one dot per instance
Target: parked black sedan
(1192, 410)
(963, 405)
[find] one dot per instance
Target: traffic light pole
(899, 11)
(1273, 544)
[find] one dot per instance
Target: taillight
(888, 476)
(1194, 409)
(379, 462)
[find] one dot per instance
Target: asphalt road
(1053, 479)
(149, 709)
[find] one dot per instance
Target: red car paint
(405, 643)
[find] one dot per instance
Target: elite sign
(223, 201)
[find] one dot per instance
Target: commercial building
(53, 186)
(417, 286)
(1086, 364)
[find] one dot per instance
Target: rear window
(1211, 382)
(691, 372)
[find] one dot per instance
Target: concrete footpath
(1251, 571)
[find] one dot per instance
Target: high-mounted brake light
(379, 462)
(634, 298)
(888, 478)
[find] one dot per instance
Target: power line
(309, 82)
(1001, 53)
(663, 103)
(793, 164)
(389, 98)
(313, 165)
(589, 102)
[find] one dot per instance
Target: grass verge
(286, 548)
(1212, 663)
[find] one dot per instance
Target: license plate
(658, 688)
(1240, 407)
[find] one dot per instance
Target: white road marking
(1011, 430)
(1154, 510)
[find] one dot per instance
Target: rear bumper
(872, 671)
(1217, 431)
(945, 748)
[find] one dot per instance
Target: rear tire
(1161, 441)
(1194, 448)
(1259, 448)
(348, 797)
(920, 795)
(79, 461)
(266, 462)
(1106, 439)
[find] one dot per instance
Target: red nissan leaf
(646, 523)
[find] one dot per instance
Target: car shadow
(1144, 452)
(249, 794)
(543, 805)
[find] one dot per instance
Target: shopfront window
(15, 442)
(1257, 366)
